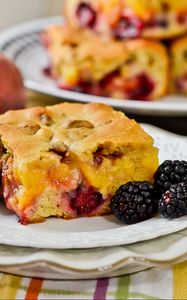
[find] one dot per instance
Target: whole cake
(179, 65)
(85, 62)
(68, 160)
(124, 19)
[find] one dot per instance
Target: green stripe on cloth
(142, 296)
(65, 293)
(9, 286)
(122, 291)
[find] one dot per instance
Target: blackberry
(173, 203)
(134, 202)
(169, 173)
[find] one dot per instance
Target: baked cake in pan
(84, 62)
(124, 19)
(68, 160)
(179, 65)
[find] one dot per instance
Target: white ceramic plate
(22, 43)
(94, 263)
(99, 231)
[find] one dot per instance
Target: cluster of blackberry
(138, 201)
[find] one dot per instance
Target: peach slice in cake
(68, 160)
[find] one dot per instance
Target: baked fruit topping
(86, 201)
(68, 160)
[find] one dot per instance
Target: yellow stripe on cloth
(9, 286)
(180, 281)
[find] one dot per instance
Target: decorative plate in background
(22, 44)
(95, 232)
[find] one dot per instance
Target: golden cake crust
(89, 42)
(82, 127)
(178, 44)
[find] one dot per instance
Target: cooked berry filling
(98, 157)
(8, 181)
(159, 21)
(128, 27)
(181, 83)
(93, 88)
(107, 80)
(182, 18)
(86, 201)
(100, 154)
(165, 6)
(86, 15)
(47, 71)
(137, 88)
(23, 220)
(141, 88)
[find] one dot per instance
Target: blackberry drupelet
(134, 202)
(173, 203)
(169, 173)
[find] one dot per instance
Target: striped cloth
(167, 283)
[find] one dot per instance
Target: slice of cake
(68, 160)
(179, 65)
(124, 19)
(84, 62)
